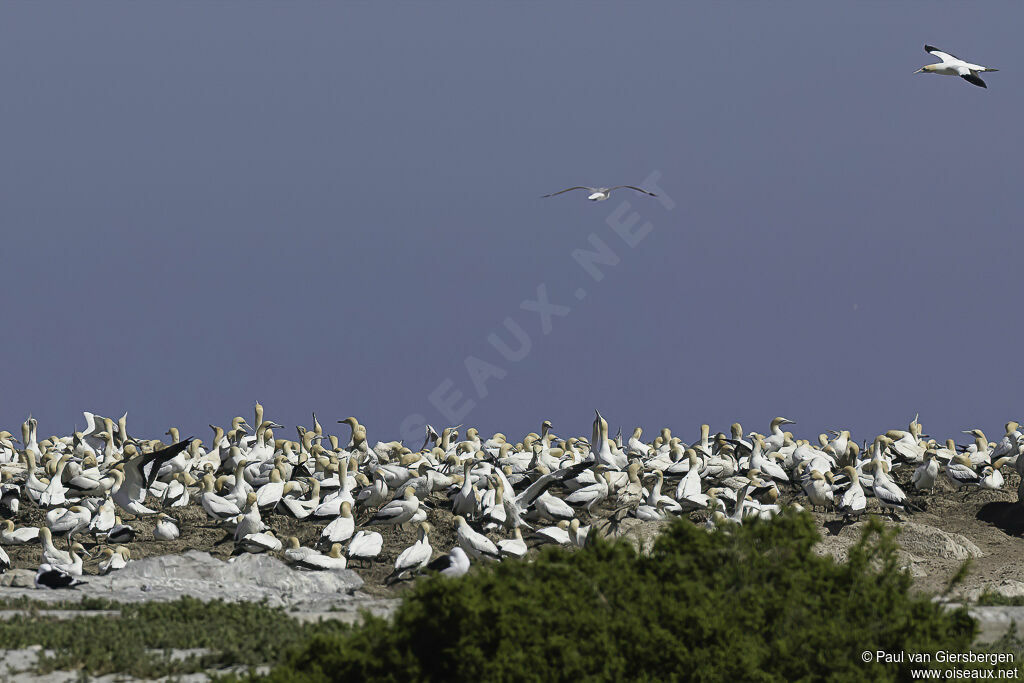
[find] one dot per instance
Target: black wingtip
(974, 80)
(931, 48)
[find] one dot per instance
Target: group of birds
(494, 497)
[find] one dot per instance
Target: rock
(640, 534)
(925, 541)
(19, 578)
(247, 577)
(1008, 588)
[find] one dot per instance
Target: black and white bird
(454, 564)
(599, 194)
(954, 66)
(120, 532)
(49, 576)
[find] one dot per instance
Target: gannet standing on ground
(599, 194)
(925, 475)
(414, 557)
(954, 66)
(853, 501)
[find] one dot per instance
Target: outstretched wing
(944, 56)
(570, 189)
(973, 79)
(158, 458)
(632, 187)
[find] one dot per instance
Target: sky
(336, 207)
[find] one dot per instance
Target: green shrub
(138, 641)
(752, 604)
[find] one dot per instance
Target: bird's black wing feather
(158, 458)
(974, 80)
(931, 48)
(439, 563)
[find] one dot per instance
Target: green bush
(751, 604)
(139, 640)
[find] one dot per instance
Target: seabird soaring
(599, 194)
(954, 66)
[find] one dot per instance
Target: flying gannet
(954, 66)
(599, 194)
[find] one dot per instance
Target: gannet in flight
(599, 194)
(954, 66)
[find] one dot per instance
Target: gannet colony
(96, 494)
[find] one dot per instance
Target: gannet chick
(452, 565)
(166, 528)
(954, 66)
(599, 194)
(49, 576)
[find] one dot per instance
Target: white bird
(889, 495)
(414, 557)
(991, 478)
(513, 547)
(166, 528)
(960, 472)
(954, 66)
(11, 536)
(341, 528)
(259, 542)
(317, 562)
(114, 559)
(556, 534)
(398, 511)
(365, 545)
(453, 565)
(120, 532)
(599, 194)
(473, 542)
(926, 474)
(854, 500)
(217, 507)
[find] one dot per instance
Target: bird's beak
(921, 70)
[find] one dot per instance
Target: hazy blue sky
(331, 207)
